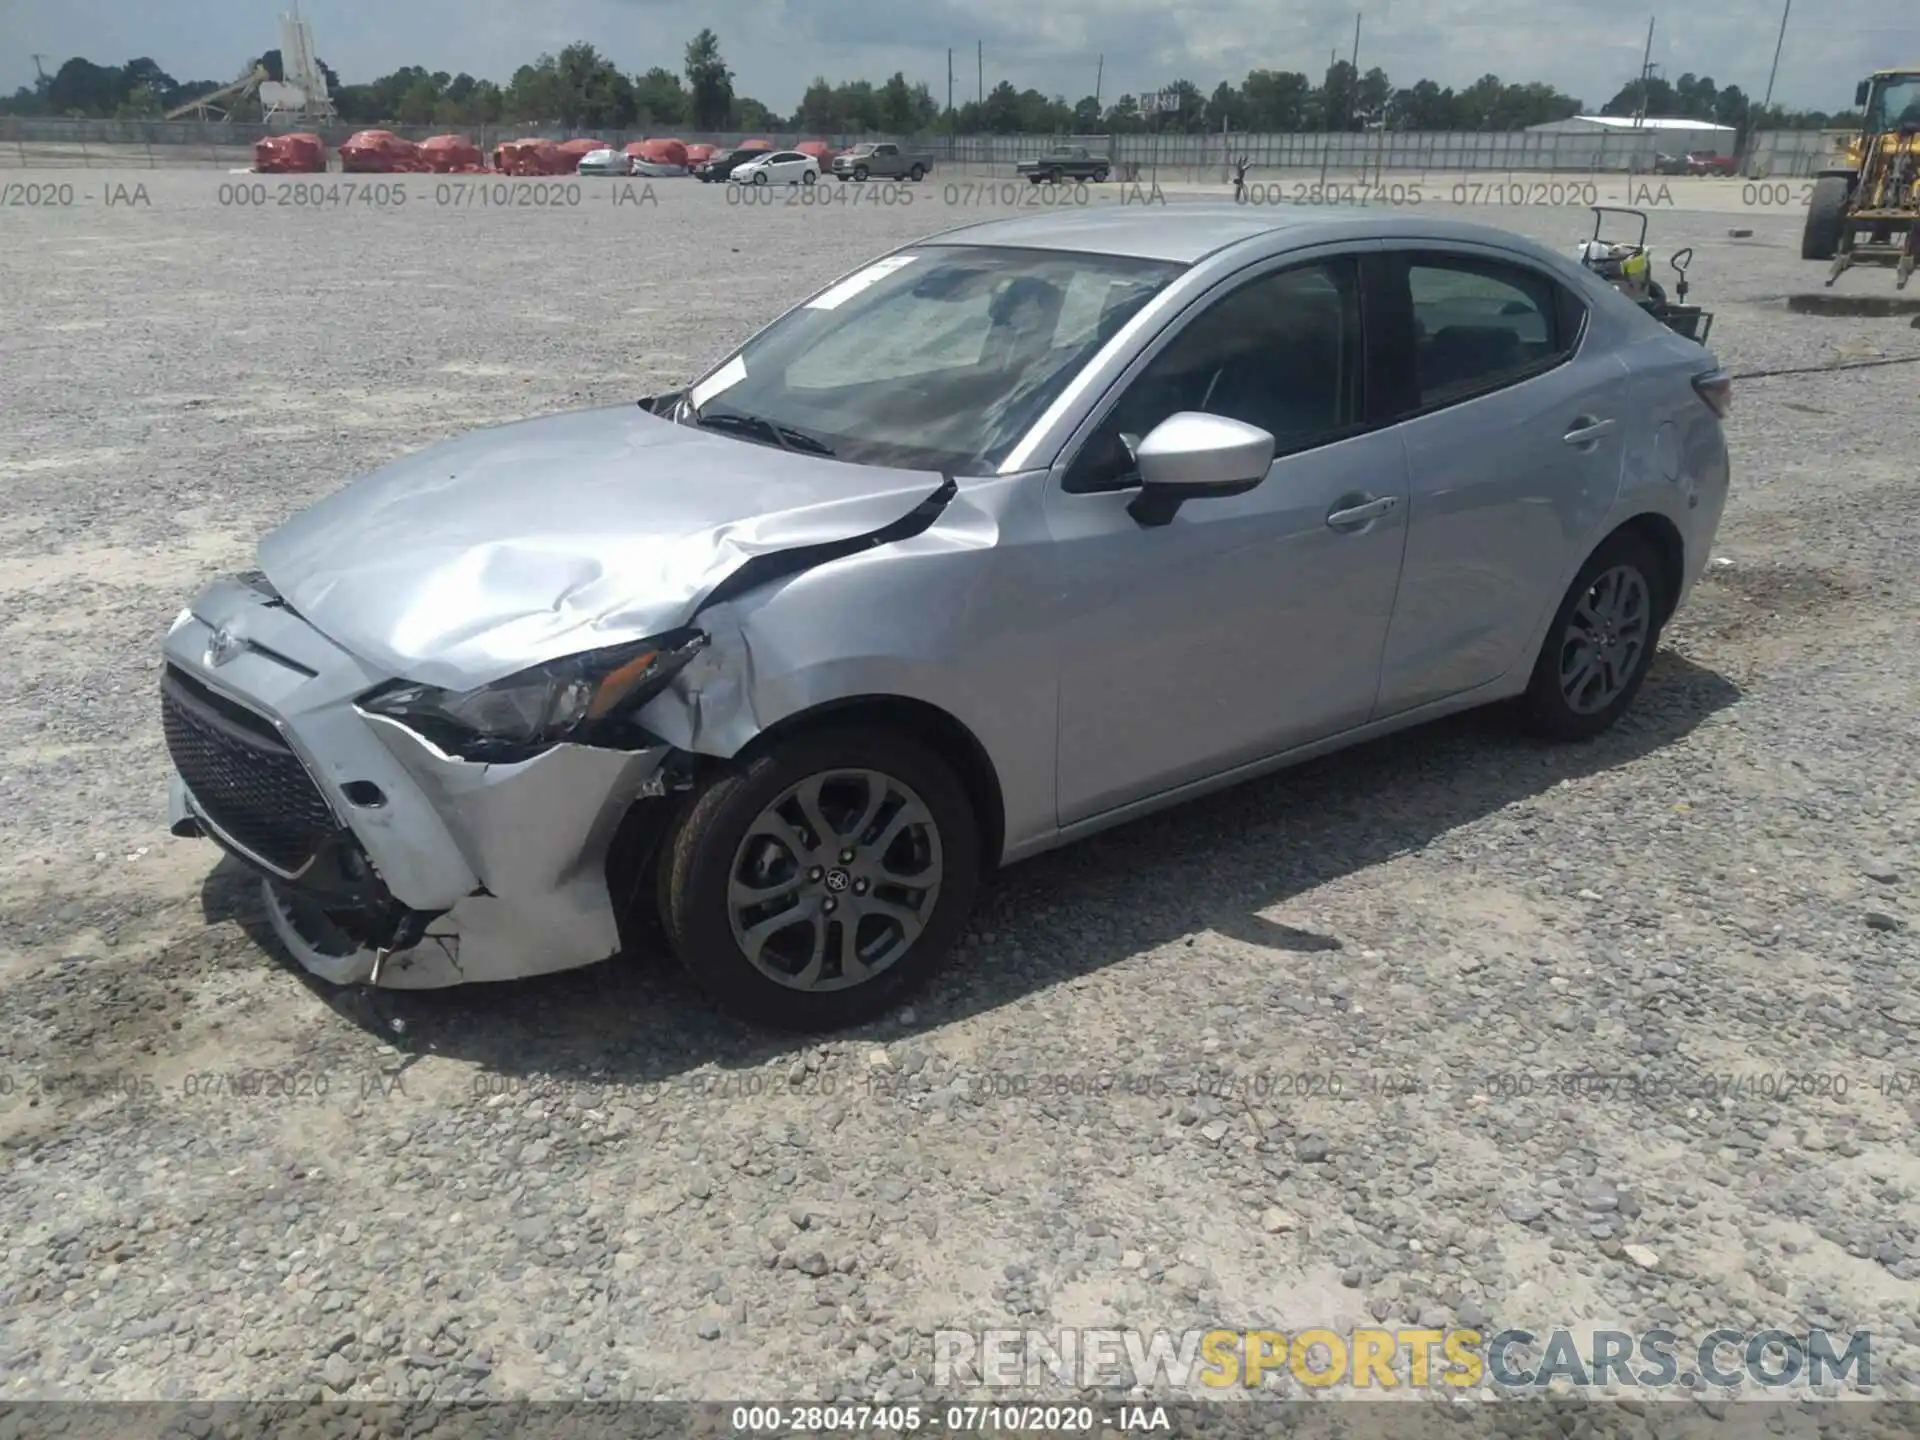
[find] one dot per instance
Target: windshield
(1895, 103)
(938, 358)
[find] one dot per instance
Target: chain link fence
(44, 142)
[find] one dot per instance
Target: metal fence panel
(49, 141)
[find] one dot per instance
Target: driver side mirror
(1861, 91)
(1196, 456)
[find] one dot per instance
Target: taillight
(1716, 388)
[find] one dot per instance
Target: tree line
(582, 89)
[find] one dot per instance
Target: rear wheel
(1826, 217)
(1100, 176)
(818, 884)
(1601, 643)
(807, 177)
(917, 173)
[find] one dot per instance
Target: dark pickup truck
(1075, 162)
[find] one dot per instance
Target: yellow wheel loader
(1865, 207)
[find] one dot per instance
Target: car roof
(1185, 233)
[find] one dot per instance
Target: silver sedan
(1023, 531)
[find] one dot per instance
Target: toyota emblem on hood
(221, 646)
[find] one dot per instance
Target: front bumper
(460, 871)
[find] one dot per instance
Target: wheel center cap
(838, 880)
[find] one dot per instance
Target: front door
(1247, 625)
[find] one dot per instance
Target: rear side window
(1480, 325)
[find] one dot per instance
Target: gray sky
(1585, 47)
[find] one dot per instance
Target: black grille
(243, 775)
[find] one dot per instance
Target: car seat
(1460, 355)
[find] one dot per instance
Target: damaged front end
(433, 752)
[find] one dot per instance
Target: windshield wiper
(785, 436)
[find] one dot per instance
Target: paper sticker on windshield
(864, 279)
(725, 378)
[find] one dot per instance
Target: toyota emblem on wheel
(836, 880)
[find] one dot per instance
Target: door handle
(1587, 429)
(1358, 514)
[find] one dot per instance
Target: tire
(759, 177)
(716, 839)
(859, 172)
(917, 173)
(807, 177)
(1826, 218)
(1100, 177)
(1545, 708)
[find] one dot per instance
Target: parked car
(721, 166)
(1018, 533)
(1705, 162)
(657, 169)
(606, 162)
(883, 161)
(777, 167)
(1665, 164)
(1068, 163)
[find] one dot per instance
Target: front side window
(1281, 352)
(938, 359)
(1479, 325)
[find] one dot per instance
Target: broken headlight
(587, 699)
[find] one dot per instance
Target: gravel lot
(591, 1186)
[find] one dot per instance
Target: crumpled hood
(521, 543)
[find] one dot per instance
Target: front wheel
(1826, 217)
(818, 884)
(1601, 643)
(760, 177)
(859, 172)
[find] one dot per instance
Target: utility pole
(1784, 12)
(980, 62)
(953, 121)
(1099, 74)
(1326, 117)
(1353, 85)
(1646, 71)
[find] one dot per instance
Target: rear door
(1513, 427)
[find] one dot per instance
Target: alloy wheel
(835, 880)
(1605, 638)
